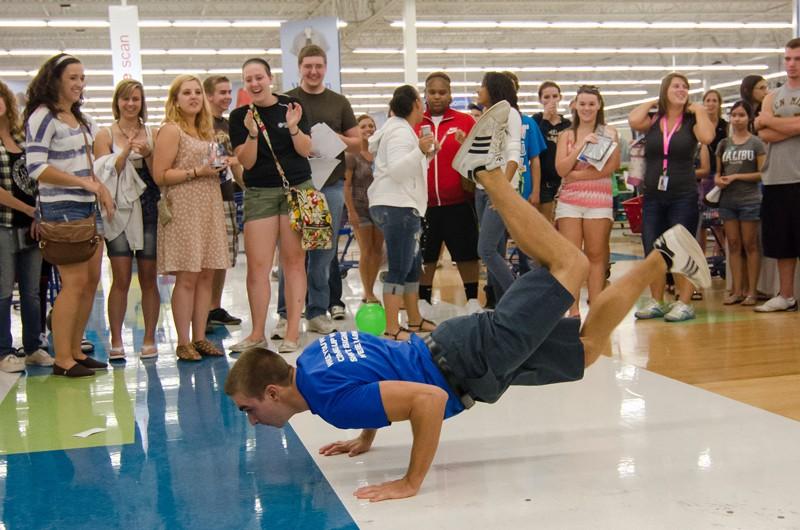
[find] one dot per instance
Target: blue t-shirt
(338, 376)
(532, 144)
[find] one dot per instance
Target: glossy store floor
(626, 448)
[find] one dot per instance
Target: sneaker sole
(689, 245)
(463, 151)
(790, 309)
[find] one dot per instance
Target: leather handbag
(308, 209)
(68, 242)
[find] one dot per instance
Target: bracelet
(294, 133)
(252, 136)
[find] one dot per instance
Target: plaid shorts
(229, 207)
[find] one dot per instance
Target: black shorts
(780, 221)
(456, 226)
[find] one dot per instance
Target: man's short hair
(254, 370)
(794, 43)
(211, 82)
(437, 75)
(312, 50)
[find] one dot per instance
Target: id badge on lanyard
(663, 179)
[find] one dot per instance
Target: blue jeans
(18, 260)
(659, 214)
(492, 244)
(401, 229)
(525, 341)
(318, 262)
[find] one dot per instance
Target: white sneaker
(12, 364)
(39, 358)
(652, 309)
(338, 312)
(684, 256)
(321, 324)
(288, 346)
(777, 303)
(679, 312)
(247, 344)
(483, 148)
(280, 329)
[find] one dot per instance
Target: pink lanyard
(668, 137)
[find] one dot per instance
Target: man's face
(791, 61)
(221, 99)
(270, 410)
(312, 72)
(437, 95)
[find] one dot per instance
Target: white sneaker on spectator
(652, 309)
(321, 324)
(684, 256)
(777, 303)
(39, 358)
(12, 364)
(247, 344)
(338, 312)
(679, 312)
(280, 329)
(484, 145)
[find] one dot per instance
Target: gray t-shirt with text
(740, 158)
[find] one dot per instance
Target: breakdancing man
(356, 380)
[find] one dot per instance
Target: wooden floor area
(730, 350)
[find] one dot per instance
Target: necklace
(128, 136)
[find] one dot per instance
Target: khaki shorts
(261, 203)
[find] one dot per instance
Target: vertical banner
(125, 48)
(323, 32)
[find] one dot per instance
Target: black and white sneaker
(684, 256)
(483, 148)
(220, 317)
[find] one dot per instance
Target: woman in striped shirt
(59, 139)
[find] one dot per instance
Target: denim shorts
(742, 212)
(570, 211)
(71, 211)
(119, 248)
(401, 229)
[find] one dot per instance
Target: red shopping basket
(633, 211)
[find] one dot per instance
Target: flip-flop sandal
(418, 328)
(697, 295)
(395, 336)
(732, 299)
(148, 351)
(116, 354)
(749, 300)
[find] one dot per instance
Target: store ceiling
(369, 26)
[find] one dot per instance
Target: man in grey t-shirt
(779, 124)
(322, 105)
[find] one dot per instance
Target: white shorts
(564, 210)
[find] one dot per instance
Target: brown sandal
(420, 328)
(396, 336)
(205, 347)
(186, 352)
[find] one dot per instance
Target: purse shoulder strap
(263, 129)
(87, 147)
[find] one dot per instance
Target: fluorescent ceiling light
(639, 101)
(597, 82)
(568, 51)
(467, 24)
(32, 53)
(147, 23)
(553, 69)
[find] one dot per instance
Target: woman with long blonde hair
(191, 238)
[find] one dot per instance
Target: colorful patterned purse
(308, 209)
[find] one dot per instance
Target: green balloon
(371, 318)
